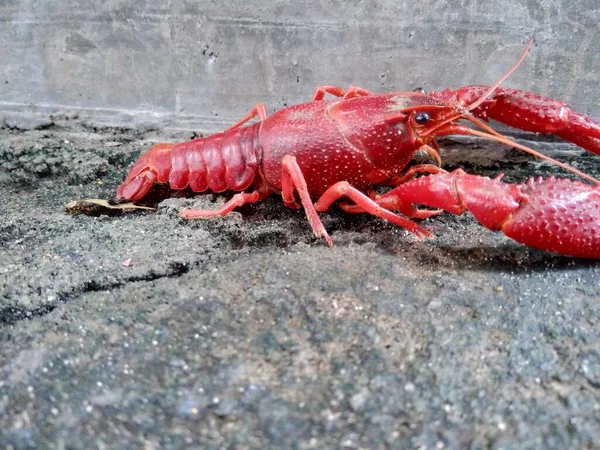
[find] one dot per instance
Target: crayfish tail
(153, 166)
(222, 161)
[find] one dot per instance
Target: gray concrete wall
(203, 64)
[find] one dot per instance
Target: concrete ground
(246, 332)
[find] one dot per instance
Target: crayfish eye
(422, 118)
(420, 89)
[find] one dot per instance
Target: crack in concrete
(12, 315)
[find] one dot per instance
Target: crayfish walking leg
(260, 192)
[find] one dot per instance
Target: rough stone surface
(147, 331)
(204, 64)
(246, 332)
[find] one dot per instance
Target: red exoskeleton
(326, 150)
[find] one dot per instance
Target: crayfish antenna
(462, 112)
(447, 127)
(495, 136)
(494, 86)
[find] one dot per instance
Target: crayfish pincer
(558, 215)
(326, 150)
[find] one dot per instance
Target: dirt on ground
(143, 330)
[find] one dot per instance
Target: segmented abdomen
(219, 162)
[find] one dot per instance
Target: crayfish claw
(557, 215)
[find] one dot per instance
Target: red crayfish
(327, 150)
